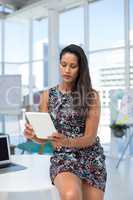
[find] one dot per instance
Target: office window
(0, 50)
(40, 37)
(131, 67)
(131, 22)
(21, 69)
(0, 68)
(107, 72)
(40, 53)
(107, 65)
(131, 57)
(12, 125)
(104, 31)
(12, 122)
(17, 51)
(1, 123)
(0, 45)
(71, 27)
(16, 42)
(38, 75)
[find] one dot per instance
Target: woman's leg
(69, 186)
(91, 193)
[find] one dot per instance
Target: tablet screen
(41, 122)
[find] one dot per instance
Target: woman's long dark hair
(83, 85)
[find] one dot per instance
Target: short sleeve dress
(87, 163)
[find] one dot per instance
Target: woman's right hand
(29, 132)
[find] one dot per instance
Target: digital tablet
(41, 122)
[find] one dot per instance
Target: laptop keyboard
(6, 165)
(11, 167)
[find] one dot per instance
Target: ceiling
(36, 9)
(17, 4)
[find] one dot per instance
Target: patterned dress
(87, 163)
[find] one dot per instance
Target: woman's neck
(65, 87)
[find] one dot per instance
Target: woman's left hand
(58, 140)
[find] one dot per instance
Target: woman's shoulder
(44, 92)
(48, 91)
(44, 98)
(93, 93)
(94, 96)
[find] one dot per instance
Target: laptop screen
(4, 150)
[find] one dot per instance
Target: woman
(78, 163)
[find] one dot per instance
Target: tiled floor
(120, 180)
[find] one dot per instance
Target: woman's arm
(91, 126)
(43, 107)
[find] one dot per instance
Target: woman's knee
(69, 186)
(71, 194)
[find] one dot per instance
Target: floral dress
(87, 163)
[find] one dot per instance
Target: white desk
(31, 183)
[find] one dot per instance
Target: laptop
(5, 156)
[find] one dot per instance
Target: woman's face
(69, 67)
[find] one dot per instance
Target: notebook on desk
(5, 157)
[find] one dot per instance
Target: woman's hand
(29, 132)
(58, 140)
